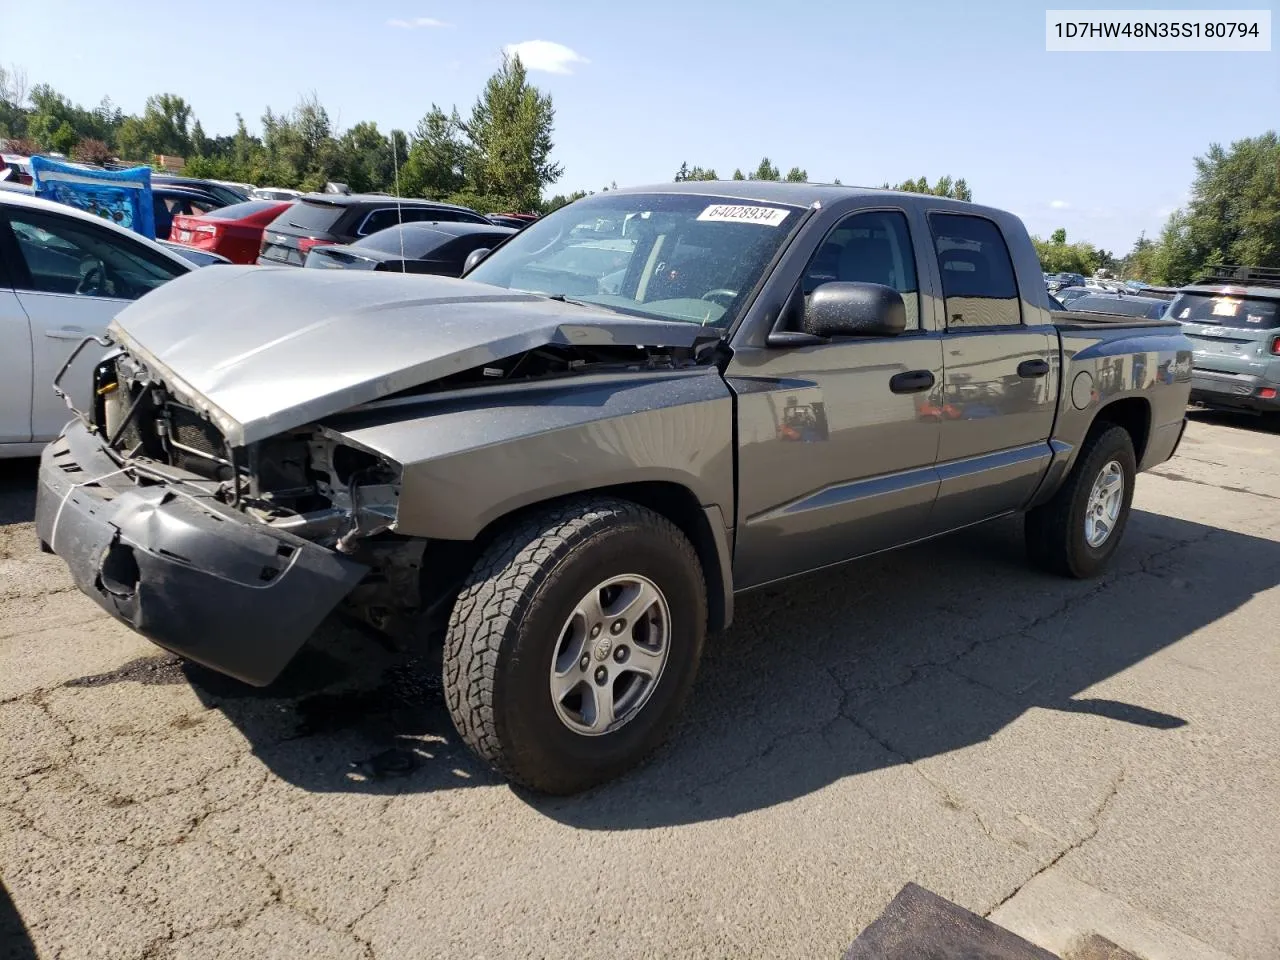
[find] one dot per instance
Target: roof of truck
(795, 194)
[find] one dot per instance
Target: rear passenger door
(1000, 359)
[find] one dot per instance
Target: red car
(235, 232)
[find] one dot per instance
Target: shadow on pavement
(18, 491)
(15, 943)
(1254, 422)
(882, 662)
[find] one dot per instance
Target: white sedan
(63, 275)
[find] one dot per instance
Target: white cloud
(416, 23)
(1059, 204)
(546, 56)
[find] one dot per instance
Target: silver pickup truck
(566, 465)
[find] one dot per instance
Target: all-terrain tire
(508, 619)
(1055, 531)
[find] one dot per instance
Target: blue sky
(1100, 143)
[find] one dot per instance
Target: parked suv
(318, 219)
(1233, 319)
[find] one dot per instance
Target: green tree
(1234, 212)
(1058, 256)
(437, 164)
(561, 200)
(687, 172)
(765, 171)
(510, 137)
(739, 175)
(796, 175)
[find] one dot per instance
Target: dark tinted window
(1249, 313)
(67, 255)
(418, 240)
(313, 217)
(977, 272)
(869, 248)
(238, 210)
(460, 248)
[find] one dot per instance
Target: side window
(62, 255)
(978, 282)
(873, 247)
(379, 220)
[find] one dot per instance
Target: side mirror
(473, 258)
(841, 309)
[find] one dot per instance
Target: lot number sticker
(728, 213)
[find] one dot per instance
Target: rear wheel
(574, 644)
(1078, 530)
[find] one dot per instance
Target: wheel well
(1134, 415)
(677, 503)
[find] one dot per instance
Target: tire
(1057, 531)
(518, 614)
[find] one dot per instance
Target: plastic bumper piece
(189, 573)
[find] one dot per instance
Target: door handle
(66, 333)
(913, 381)
(1033, 368)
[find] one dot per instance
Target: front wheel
(575, 642)
(1076, 532)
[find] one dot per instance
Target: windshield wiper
(561, 298)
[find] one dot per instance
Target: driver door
(70, 277)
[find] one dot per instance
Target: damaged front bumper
(181, 568)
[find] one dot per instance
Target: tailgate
(1230, 349)
(281, 248)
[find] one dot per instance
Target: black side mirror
(474, 258)
(842, 309)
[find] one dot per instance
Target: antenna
(395, 166)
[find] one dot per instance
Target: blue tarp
(121, 196)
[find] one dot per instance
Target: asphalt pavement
(1068, 758)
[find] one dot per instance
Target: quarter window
(977, 272)
(872, 247)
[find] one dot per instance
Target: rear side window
(238, 210)
(416, 241)
(312, 217)
(977, 272)
(1224, 310)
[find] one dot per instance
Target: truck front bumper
(184, 570)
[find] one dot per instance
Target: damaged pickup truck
(567, 464)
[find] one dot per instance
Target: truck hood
(266, 349)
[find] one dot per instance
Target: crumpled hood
(266, 349)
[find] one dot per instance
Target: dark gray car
(567, 465)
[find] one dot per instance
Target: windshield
(1223, 310)
(667, 256)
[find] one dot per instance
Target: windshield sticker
(1225, 308)
(1253, 317)
(1186, 312)
(727, 213)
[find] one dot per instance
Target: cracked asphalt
(1062, 756)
